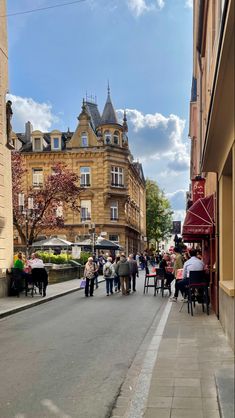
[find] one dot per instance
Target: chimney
(28, 131)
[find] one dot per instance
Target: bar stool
(149, 281)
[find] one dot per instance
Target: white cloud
(189, 3)
(138, 7)
(26, 109)
(157, 137)
(158, 142)
(178, 203)
(177, 199)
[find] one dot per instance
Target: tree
(158, 213)
(58, 193)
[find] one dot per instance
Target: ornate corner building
(113, 185)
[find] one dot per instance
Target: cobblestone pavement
(180, 375)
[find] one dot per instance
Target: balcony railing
(117, 185)
(87, 218)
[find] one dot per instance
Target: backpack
(108, 271)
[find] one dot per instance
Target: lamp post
(92, 230)
(28, 213)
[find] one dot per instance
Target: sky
(142, 47)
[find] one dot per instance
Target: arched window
(107, 137)
(84, 139)
(116, 138)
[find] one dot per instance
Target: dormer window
(116, 138)
(56, 144)
(84, 139)
(37, 144)
(107, 137)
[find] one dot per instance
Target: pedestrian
(137, 259)
(142, 261)
(123, 270)
(89, 273)
(133, 272)
(117, 284)
(193, 264)
(109, 273)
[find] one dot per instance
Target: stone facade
(213, 138)
(6, 228)
(113, 195)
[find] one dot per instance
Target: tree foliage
(158, 213)
(59, 190)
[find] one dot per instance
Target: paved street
(69, 357)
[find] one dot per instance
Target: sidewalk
(187, 370)
(11, 305)
(193, 353)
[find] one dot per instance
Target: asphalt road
(68, 358)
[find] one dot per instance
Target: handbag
(83, 284)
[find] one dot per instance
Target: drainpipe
(200, 108)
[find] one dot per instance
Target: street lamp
(92, 230)
(28, 213)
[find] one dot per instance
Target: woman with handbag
(89, 273)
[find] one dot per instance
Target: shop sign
(198, 189)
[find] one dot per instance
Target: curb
(40, 301)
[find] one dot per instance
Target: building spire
(125, 126)
(109, 115)
(84, 111)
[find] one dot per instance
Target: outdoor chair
(17, 282)
(149, 281)
(160, 281)
(198, 291)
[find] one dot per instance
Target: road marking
(53, 408)
(139, 400)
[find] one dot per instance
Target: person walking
(123, 270)
(133, 272)
(117, 284)
(89, 273)
(109, 273)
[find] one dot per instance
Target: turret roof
(109, 115)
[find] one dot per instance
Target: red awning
(200, 219)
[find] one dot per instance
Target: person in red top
(163, 265)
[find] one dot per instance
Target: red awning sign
(200, 218)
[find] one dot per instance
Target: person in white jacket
(109, 273)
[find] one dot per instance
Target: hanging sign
(198, 189)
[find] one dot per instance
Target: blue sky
(144, 48)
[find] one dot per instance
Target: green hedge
(62, 258)
(83, 257)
